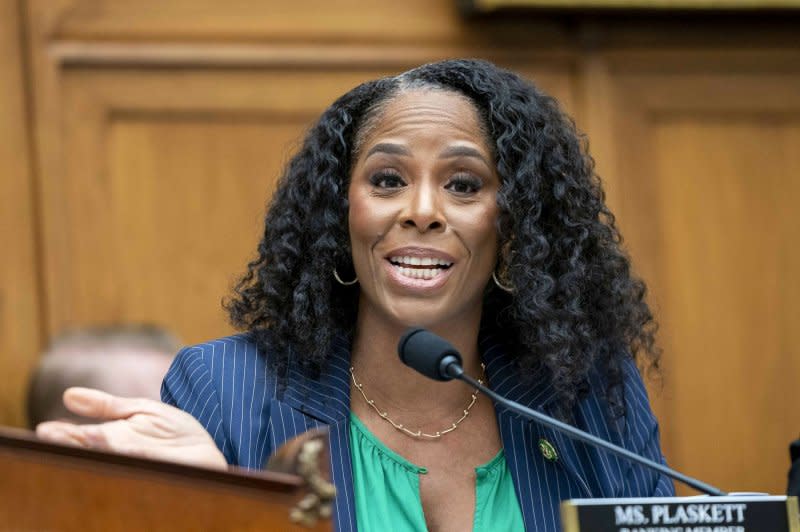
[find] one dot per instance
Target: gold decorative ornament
(317, 504)
(500, 285)
(502, 281)
(418, 433)
(339, 279)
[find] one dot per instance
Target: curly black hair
(575, 303)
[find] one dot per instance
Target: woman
(457, 197)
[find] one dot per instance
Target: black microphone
(431, 355)
(436, 358)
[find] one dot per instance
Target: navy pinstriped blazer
(227, 385)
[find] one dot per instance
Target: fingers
(62, 432)
(65, 433)
(101, 405)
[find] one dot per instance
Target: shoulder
(631, 392)
(238, 346)
(636, 429)
(637, 416)
(228, 386)
(635, 395)
(232, 362)
(623, 414)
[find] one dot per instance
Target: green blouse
(386, 488)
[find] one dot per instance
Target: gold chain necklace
(419, 433)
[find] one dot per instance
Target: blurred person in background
(125, 360)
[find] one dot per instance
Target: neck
(399, 389)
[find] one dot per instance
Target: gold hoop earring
(339, 279)
(500, 285)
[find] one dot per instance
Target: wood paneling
(729, 293)
(19, 304)
(374, 21)
(707, 188)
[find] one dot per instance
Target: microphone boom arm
(455, 371)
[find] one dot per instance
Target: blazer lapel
(309, 403)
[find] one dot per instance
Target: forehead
(421, 109)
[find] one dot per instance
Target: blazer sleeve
(642, 437)
(189, 385)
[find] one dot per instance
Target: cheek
(368, 220)
(479, 231)
(358, 215)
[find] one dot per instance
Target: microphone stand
(452, 368)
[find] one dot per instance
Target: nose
(424, 210)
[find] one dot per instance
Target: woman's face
(423, 210)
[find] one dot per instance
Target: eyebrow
(389, 148)
(462, 151)
(449, 153)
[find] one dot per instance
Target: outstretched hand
(140, 427)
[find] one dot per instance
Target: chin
(416, 314)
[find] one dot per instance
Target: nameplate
(734, 513)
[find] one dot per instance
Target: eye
(387, 179)
(464, 184)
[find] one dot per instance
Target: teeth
(420, 261)
(419, 273)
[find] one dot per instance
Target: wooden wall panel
(19, 296)
(180, 186)
(344, 21)
(729, 294)
(707, 189)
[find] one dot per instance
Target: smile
(420, 270)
